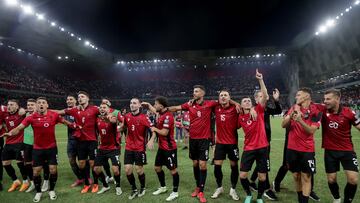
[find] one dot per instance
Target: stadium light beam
(87, 43)
(40, 16)
(357, 2)
(12, 3)
(53, 24)
(27, 9)
(330, 23)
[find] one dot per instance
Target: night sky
(145, 26)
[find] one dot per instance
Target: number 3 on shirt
(198, 113)
(133, 127)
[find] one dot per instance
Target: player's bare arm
(14, 131)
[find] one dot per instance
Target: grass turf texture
(187, 182)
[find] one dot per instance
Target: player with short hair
(167, 151)
(85, 116)
(272, 108)
(303, 119)
(109, 147)
(72, 143)
(336, 125)
(43, 122)
(226, 143)
(255, 143)
(137, 125)
(200, 132)
(14, 147)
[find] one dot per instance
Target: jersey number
(11, 123)
(103, 131)
(222, 117)
(133, 127)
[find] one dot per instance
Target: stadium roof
(121, 27)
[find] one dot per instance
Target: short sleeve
(213, 103)
(120, 117)
(59, 118)
(355, 118)
(147, 121)
(185, 106)
(168, 121)
(259, 108)
(27, 121)
(316, 118)
(71, 111)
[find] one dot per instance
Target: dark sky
(143, 26)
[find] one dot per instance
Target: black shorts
(42, 156)
(72, 148)
(134, 157)
(102, 157)
(13, 152)
(301, 161)
(231, 150)
(199, 149)
(28, 149)
(261, 156)
(166, 158)
(347, 159)
(86, 150)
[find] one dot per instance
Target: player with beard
(72, 143)
(44, 149)
(85, 116)
(167, 152)
(303, 119)
(226, 143)
(336, 125)
(109, 147)
(137, 125)
(14, 147)
(200, 132)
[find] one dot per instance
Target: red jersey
(336, 128)
(3, 110)
(166, 120)
(44, 128)
(200, 118)
(226, 125)
(87, 120)
(254, 130)
(11, 122)
(136, 132)
(299, 139)
(109, 139)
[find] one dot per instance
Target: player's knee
(5, 163)
(139, 170)
(262, 176)
(173, 171)
(52, 169)
(331, 178)
(116, 172)
(128, 170)
(82, 164)
(297, 176)
(202, 165)
(157, 169)
(195, 163)
(353, 179)
(97, 169)
(243, 175)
